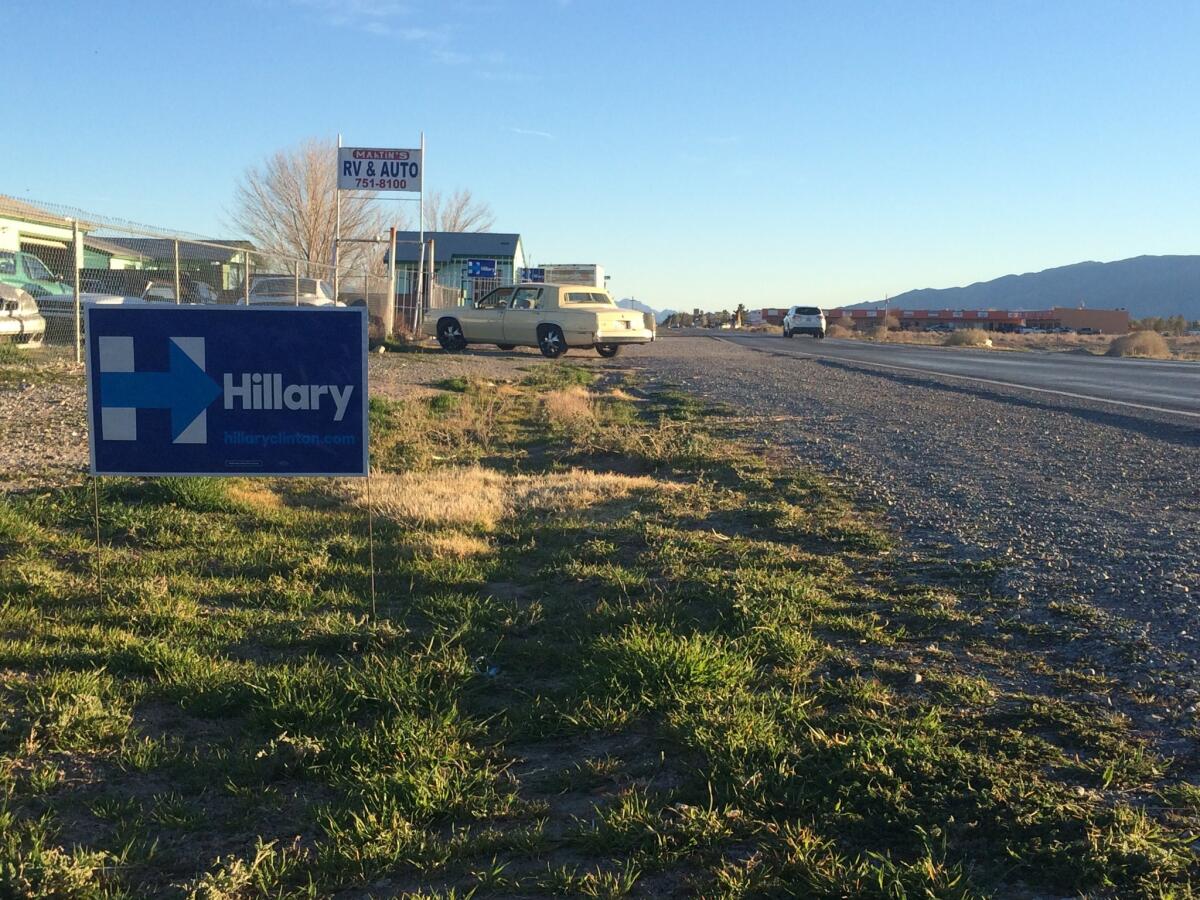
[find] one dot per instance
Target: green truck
(26, 271)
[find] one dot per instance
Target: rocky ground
(43, 422)
(1090, 514)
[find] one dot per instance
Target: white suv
(804, 320)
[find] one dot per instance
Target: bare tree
(287, 207)
(459, 211)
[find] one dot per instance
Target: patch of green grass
(459, 383)
(559, 375)
(723, 686)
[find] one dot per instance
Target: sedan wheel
(450, 336)
(551, 341)
(608, 351)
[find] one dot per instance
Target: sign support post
(337, 227)
(389, 308)
(178, 280)
(99, 565)
(75, 264)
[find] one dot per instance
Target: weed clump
(1143, 344)
(838, 331)
(559, 375)
(196, 494)
(968, 337)
(569, 408)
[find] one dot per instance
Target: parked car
(26, 271)
(551, 317)
(804, 320)
(149, 284)
(20, 321)
(284, 291)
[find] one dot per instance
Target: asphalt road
(1162, 386)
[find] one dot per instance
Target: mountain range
(660, 315)
(1144, 285)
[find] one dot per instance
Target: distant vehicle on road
(20, 321)
(30, 274)
(551, 317)
(804, 320)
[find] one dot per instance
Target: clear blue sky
(705, 153)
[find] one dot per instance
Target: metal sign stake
(371, 540)
(99, 564)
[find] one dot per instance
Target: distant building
(451, 252)
(220, 263)
(575, 273)
(1103, 321)
(772, 316)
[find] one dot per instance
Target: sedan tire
(608, 351)
(551, 341)
(450, 336)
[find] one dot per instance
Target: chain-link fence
(67, 259)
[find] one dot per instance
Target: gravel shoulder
(1088, 514)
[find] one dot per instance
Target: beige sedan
(551, 317)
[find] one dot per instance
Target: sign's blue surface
(189, 390)
(481, 268)
(537, 276)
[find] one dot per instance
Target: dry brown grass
(838, 331)
(477, 498)
(1186, 347)
(569, 408)
(1144, 344)
(254, 495)
(450, 545)
(968, 337)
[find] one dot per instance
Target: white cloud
(381, 18)
(532, 132)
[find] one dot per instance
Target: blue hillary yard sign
(481, 268)
(187, 390)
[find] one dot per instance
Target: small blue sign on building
(191, 390)
(536, 276)
(481, 268)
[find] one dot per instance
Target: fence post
(420, 274)
(296, 287)
(178, 294)
(389, 308)
(75, 254)
(246, 279)
(419, 314)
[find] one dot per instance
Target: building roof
(112, 249)
(30, 212)
(162, 248)
(451, 244)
